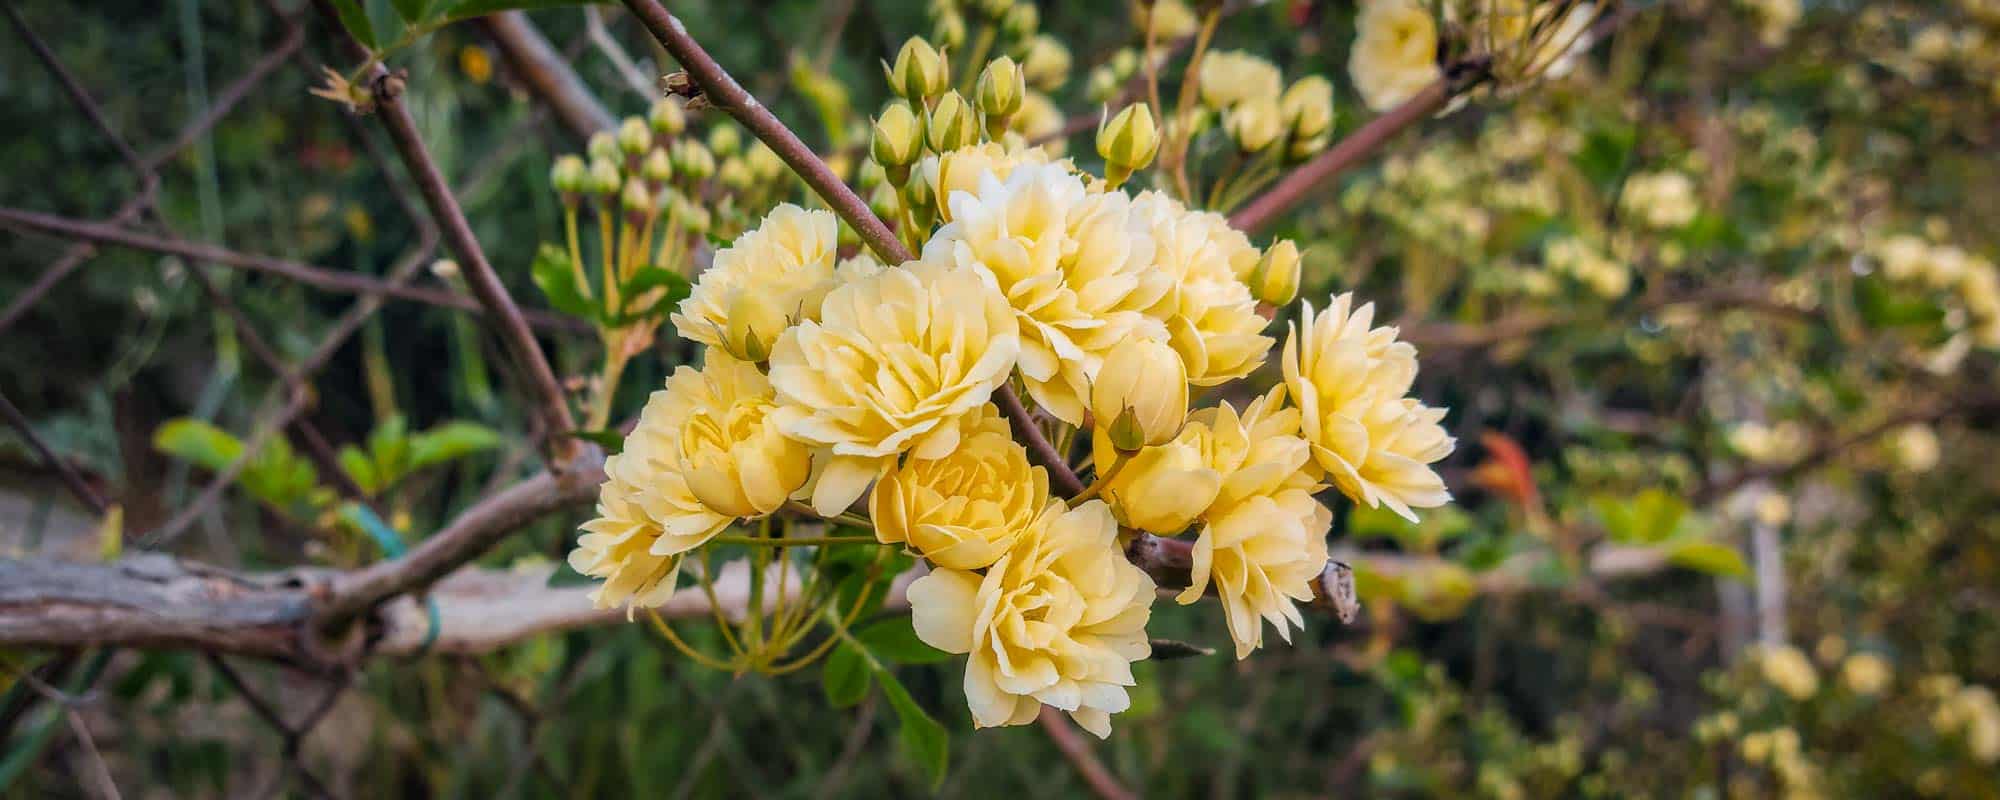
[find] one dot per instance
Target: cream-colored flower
(735, 459)
(1162, 489)
(1264, 541)
(964, 510)
(1058, 620)
(1210, 316)
(1144, 379)
(895, 361)
(1866, 673)
(1789, 670)
(961, 170)
(1395, 52)
(646, 514)
(1171, 19)
(1662, 199)
(1039, 120)
(1074, 265)
(1229, 77)
(787, 259)
(1348, 381)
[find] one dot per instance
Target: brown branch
(316, 277)
(1077, 751)
(70, 478)
(546, 73)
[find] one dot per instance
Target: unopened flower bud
(568, 175)
(1308, 106)
(1046, 63)
(898, 141)
(445, 269)
(635, 199)
(1128, 142)
(1142, 387)
(755, 320)
(1276, 278)
(1021, 21)
(735, 174)
(634, 138)
(994, 9)
(604, 177)
(725, 140)
(920, 72)
(764, 162)
(1302, 149)
(657, 168)
(603, 144)
(949, 30)
(1102, 86)
(692, 160)
(667, 118)
(1124, 63)
(885, 202)
(1254, 124)
(1001, 88)
(951, 124)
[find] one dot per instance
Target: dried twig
(70, 477)
(547, 73)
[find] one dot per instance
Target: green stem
(575, 251)
(1098, 484)
(980, 47)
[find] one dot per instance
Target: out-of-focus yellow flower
(1349, 381)
(1045, 63)
(1789, 670)
(667, 117)
(1308, 107)
(1230, 77)
(1395, 52)
(733, 456)
(1662, 199)
(1143, 378)
(964, 510)
(1070, 263)
(1254, 124)
(1776, 18)
(1866, 673)
(476, 63)
(1057, 620)
(787, 260)
(1171, 19)
(1210, 315)
(894, 362)
(1917, 447)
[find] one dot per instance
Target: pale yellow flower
(895, 361)
(1229, 77)
(787, 259)
(964, 510)
(1395, 52)
(1146, 379)
(1162, 489)
(961, 170)
(735, 459)
(1210, 316)
(1040, 120)
(1171, 19)
(1866, 673)
(1662, 199)
(1348, 381)
(1074, 265)
(1789, 670)
(1058, 620)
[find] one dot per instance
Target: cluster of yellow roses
(824, 378)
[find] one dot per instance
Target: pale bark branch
(547, 74)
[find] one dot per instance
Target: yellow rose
(1229, 77)
(1866, 673)
(1147, 378)
(1254, 124)
(964, 510)
(788, 259)
(1162, 489)
(1072, 264)
(1348, 381)
(1395, 52)
(1058, 620)
(960, 170)
(896, 359)
(733, 456)
(1210, 315)
(1789, 670)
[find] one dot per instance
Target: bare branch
(546, 73)
(70, 478)
(1077, 750)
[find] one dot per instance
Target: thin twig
(1077, 751)
(70, 478)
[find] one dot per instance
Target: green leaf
(845, 676)
(648, 279)
(412, 10)
(361, 470)
(556, 278)
(1650, 517)
(479, 8)
(389, 448)
(355, 20)
(1714, 558)
(611, 440)
(199, 443)
(895, 640)
(449, 442)
(922, 738)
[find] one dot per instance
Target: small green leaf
(556, 278)
(844, 676)
(637, 306)
(389, 448)
(1713, 558)
(611, 440)
(895, 640)
(355, 20)
(357, 466)
(198, 443)
(923, 739)
(449, 442)
(412, 10)
(1650, 517)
